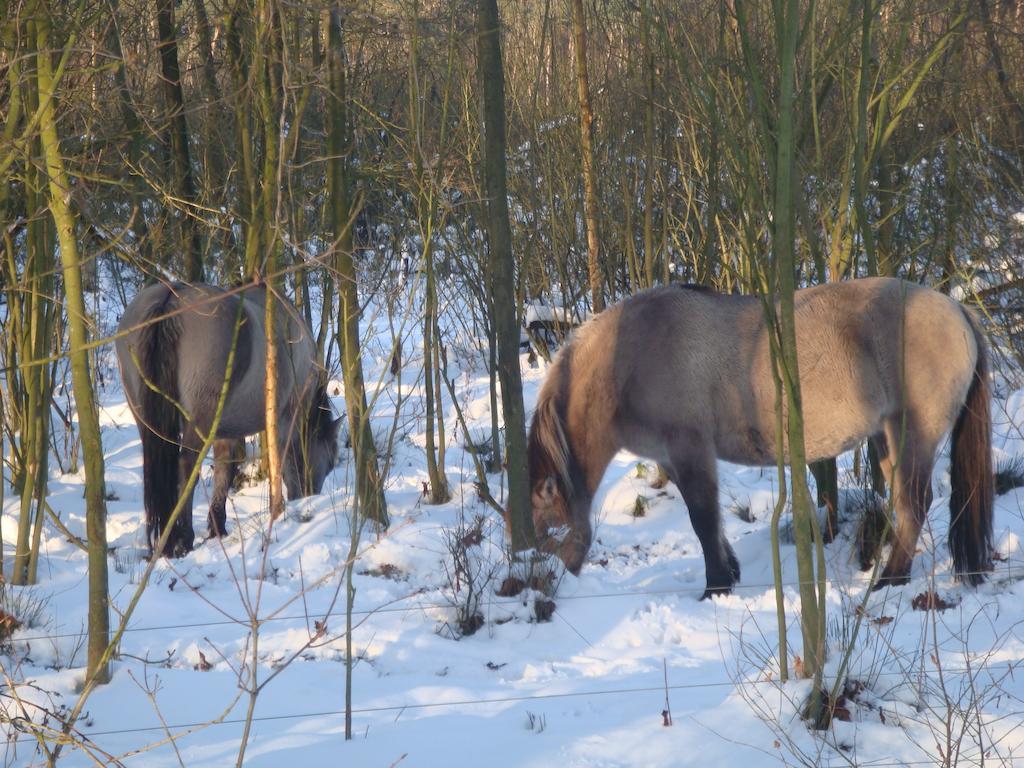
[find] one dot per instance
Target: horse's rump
(174, 348)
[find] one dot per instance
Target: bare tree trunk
(648, 53)
(339, 148)
(88, 416)
(435, 462)
(31, 338)
(788, 23)
(860, 178)
(181, 163)
(136, 136)
(499, 237)
(245, 162)
(587, 150)
(269, 109)
(37, 341)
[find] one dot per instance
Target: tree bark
(499, 237)
(269, 109)
(369, 488)
(648, 53)
(587, 150)
(784, 236)
(183, 182)
(88, 416)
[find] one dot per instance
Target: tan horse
(682, 376)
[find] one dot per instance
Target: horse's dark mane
(547, 452)
(320, 416)
(696, 287)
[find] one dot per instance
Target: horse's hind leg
(696, 476)
(908, 464)
(225, 468)
(182, 536)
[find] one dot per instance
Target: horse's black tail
(971, 500)
(159, 419)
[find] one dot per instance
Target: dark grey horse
(173, 358)
(684, 377)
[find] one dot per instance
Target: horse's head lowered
(318, 453)
(551, 481)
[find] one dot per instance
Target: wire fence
(1005, 572)
(168, 728)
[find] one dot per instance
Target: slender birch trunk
(270, 107)
(369, 486)
(88, 416)
(30, 325)
(788, 24)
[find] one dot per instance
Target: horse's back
(680, 362)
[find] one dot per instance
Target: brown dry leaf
(511, 587)
(8, 624)
(798, 666)
(930, 601)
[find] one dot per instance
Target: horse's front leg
(225, 467)
(696, 476)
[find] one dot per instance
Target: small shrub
(20, 607)
(874, 527)
(468, 574)
(742, 510)
(543, 609)
(129, 561)
(536, 723)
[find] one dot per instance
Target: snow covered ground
(587, 688)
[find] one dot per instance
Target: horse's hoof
(177, 548)
(713, 592)
(974, 578)
(889, 581)
(179, 551)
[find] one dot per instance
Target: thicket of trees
(331, 147)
